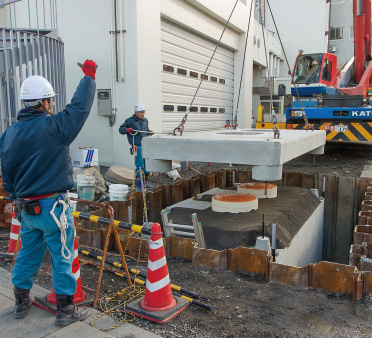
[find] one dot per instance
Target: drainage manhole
(234, 203)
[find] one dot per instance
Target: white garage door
(185, 56)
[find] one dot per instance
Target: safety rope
(181, 126)
(235, 119)
(118, 312)
(62, 225)
(308, 125)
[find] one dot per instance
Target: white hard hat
(35, 88)
(139, 107)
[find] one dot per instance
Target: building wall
(342, 16)
(301, 24)
(85, 27)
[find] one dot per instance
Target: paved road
(40, 323)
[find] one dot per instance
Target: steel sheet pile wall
(343, 199)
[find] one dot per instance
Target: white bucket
(85, 187)
(72, 203)
(118, 192)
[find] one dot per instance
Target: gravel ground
(244, 305)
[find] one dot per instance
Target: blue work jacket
(136, 124)
(34, 152)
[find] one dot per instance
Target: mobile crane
(336, 100)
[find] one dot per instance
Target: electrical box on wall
(104, 106)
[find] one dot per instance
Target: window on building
(337, 1)
(337, 33)
(257, 3)
(351, 33)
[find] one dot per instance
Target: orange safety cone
(14, 233)
(80, 298)
(158, 304)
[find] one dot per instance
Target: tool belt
(33, 207)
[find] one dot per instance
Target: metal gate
(25, 53)
(184, 57)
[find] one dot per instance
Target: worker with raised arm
(37, 172)
(136, 128)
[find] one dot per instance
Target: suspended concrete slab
(255, 147)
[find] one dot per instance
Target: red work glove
(129, 130)
(89, 68)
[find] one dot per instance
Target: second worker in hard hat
(136, 128)
(37, 172)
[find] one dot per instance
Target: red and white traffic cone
(14, 233)
(158, 304)
(80, 298)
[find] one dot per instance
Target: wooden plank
(345, 218)
(330, 207)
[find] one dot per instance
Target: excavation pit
(297, 212)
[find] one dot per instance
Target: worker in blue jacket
(136, 128)
(37, 172)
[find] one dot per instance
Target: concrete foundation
(296, 212)
(243, 146)
(306, 246)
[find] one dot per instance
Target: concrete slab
(79, 329)
(191, 204)
(40, 323)
(253, 147)
(7, 306)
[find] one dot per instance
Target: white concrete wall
(306, 246)
(84, 27)
(342, 16)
